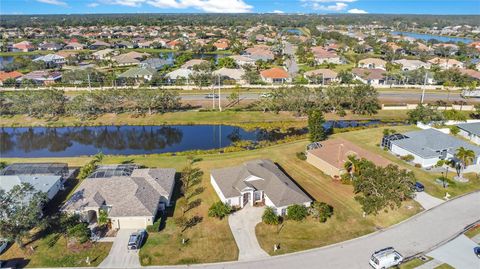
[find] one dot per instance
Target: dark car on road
(136, 239)
(419, 187)
(476, 250)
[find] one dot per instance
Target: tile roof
(368, 74)
(327, 73)
(261, 175)
(275, 72)
(6, 75)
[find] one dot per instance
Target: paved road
(120, 256)
(242, 223)
(421, 233)
(457, 253)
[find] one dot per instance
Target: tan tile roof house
(275, 75)
(333, 153)
(372, 63)
(132, 196)
(257, 182)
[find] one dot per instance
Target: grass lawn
(370, 138)
(445, 266)
(472, 232)
(411, 264)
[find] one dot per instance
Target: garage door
(132, 223)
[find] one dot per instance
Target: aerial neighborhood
(132, 139)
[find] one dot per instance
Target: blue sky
(239, 6)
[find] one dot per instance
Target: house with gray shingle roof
(257, 182)
(470, 131)
(131, 196)
(428, 146)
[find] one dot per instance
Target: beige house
(372, 63)
(131, 196)
(331, 155)
(321, 76)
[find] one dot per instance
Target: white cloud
(336, 7)
(276, 11)
(357, 11)
(53, 2)
(93, 5)
(128, 3)
(329, 1)
(213, 6)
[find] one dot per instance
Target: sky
(241, 6)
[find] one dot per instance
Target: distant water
(427, 37)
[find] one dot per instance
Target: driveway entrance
(120, 256)
(242, 223)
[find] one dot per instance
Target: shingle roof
(369, 73)
(261, 175)
(473, 128)
(136, 72)
(135, 195)
(430, 142)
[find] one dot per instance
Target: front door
(246, 198)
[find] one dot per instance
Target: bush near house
(269, 217)
(301, 155)
(297, 212)
(321, 211)
(408, 158)
(219, 210)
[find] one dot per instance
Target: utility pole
(423, 90)
(219, 94)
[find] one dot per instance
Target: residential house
(372, 63)
(104, 54)
(275, 75)
(74, 46)
(125, 45)
(470, 131)
(260, 53)
(139, 74)
(44, 177)
(428, 146)
(51, 60)
(331, 155)
(50, 46)
(98, 44)
(446, 63)
(179, 74)
(258, 182)
(174, 44)
(470, 73)
(242, 60)
(9, 75)
(370, 76)
(222, 44)
(321, 76)
(230, 74)
(409, 65)
(130, 58)
(24, 46)
(42, 77)
(131, 196)
(191, 63)
(323, 56)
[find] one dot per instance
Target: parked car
(3, 245)
(476, 250)
(419, 187)
(385, 258)
(211, 96)
(136, 239)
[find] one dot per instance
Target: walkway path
(242, 223)
(426, 200)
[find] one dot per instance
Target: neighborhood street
(421, 233)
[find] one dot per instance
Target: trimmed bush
(297, 212)
(408, 158)
(301, 155)
(269, 216)
(321, 211)
(219, 210)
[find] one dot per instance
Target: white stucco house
(131, 196)
(429, 146)
(258, 182)
(470, 131)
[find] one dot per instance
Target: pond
(36, 142)
(440, 38)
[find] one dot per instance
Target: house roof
(407, 62)
(472, 128)
(233, 73)
(261, 175)
(136, 195)
(49, 58)
(136, 72)
(336, 151)
(179, 73)
(369, 74)
(275, 72)
(193, 62)
(428, 143)
(471, 73)
(41, 183)
(6, 75)
(375, 61)
(41, 75)
(326, 73)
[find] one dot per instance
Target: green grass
(445, 266)
(370, 138)
(472, 232)
(412, 264)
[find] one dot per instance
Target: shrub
(440, 163)
(297, 212)
(321, 211)
(81, 232)
(301, 155)
(154, 227)
(408, 158)
(269, 216)
(219, 210)
(454, 130)
(417, 165)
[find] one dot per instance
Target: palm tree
(352, 165)
(466, 157)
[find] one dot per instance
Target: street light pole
(423, 88)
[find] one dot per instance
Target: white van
(385, 258)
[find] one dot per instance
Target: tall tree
(315, 125)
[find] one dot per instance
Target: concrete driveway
(120, 256)
(426, 200)
(242, 223)
(457, 253)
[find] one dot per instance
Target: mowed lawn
(370, 140)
